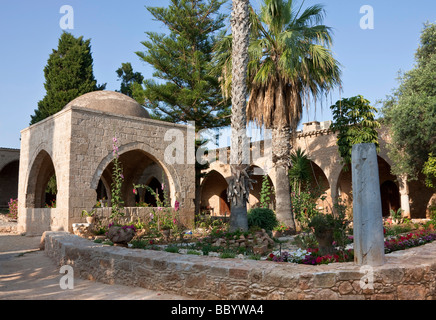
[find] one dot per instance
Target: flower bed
(409, 240)
(311, 256)
(392, 243)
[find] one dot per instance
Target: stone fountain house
(75, 145)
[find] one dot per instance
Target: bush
(263, 218)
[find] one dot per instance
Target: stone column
(404, 196)
(367, 208)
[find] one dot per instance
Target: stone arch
(389, 192)
(319, 182)
(139, 151)
(213, 192)
(9, 182)
(134, 163)
(390, 197)
(41, 171)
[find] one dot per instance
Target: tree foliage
(182, 61)
(68, 74)
(410, 112)
(128, 78)
(290, 61)
(354, 120)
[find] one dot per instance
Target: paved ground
(26, 273)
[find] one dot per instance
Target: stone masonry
(76, 145)
(407, 275)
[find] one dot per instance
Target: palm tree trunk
(281, 161)
(237, 192)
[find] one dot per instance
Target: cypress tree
(68, 74)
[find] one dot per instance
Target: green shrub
(172, 249)
(263, 218)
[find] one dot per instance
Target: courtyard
(205, 181)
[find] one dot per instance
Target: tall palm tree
(239, 186)
(290, 64)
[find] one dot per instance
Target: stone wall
(409, 274)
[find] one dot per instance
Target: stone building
(328, 174)
(75, 146)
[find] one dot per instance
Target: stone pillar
(404, 196)
(367, 208)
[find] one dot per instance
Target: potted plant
(279, 230)
(323, 226)
(90, 216)
(121, 234)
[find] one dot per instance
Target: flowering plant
(281, 227)
(286, 256)
(125, 227)
(118, 178)
(310, 256)
(164, 216)
(409, 240)
(13, 208)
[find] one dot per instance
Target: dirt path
(28, 274)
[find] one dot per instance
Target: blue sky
(30, 29)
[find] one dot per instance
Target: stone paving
(26, 273)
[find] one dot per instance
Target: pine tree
(68, 74)
(183, 60)
(128, 78)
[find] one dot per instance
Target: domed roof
(110, 101)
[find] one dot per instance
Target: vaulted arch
(40, 173)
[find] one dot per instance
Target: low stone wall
(409, 274)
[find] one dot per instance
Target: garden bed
(407, 274)
(260, 245)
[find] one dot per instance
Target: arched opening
(389, 192)
(224, 204)
(138, 168)
(146, 198)
(319, 186)
(214, 195)
(8, 183)
(42, 184)
(390, 197)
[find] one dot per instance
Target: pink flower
(176, 205)
(134, 191)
